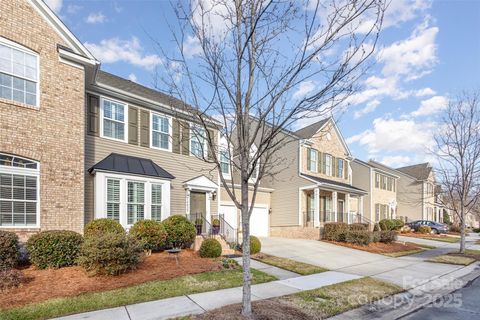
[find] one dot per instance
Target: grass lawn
(452, 259)
(288, 264)
(139, 293)
(403, 253)
(443, 239)
(426, 246)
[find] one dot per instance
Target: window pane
(136, 192)
(5, 93)
(22, 190)
(18, 96)
(113, 199)
(113, 129)
(5, 80)
(156, 202)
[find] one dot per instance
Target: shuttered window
(328, 165)
(113, 199)
(224, 162)
(18, 74)
(313, 160)
(156, 202)
(197, 142)
(135, 201)
(340, 169)
(160, 131)
(19, 191)
(113, 119)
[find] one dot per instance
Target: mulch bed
(380, 247)
(71, 281)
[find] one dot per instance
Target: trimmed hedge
(9, 250)
(101, 226)
(391, 224)
(360, 237)
(210, 248)
(150, 233)
(335, 231)
(358, 226)
(388, 236)
(180, 231)
(110, 254)
(424, 229)
(255, 245)
(398, 224)
(54, 249)
(455, 228)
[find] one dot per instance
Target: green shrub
(9, 250)
(210, 248)
(360, 237)
(54, 249)
(10, 278)
(215, 222)
(358, 226)
(446, 218)
(180, 232)
(101, 226)
(110, 254)
(376, 236)
(150, 233)
(255, 245)
(454, 228)
(388, 236)
(397, 224)
(476, 230)
(228, 263)
(424, 229)
(386, 224)
(376, 227)
(335, 231)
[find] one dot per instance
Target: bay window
(160, 131)
(18, 73)
(156, 202)
(135, 201)
(113, 119)
(113, 199)
(19, 192)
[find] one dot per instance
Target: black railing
(218, 227)
(228, 232)
(201, 224)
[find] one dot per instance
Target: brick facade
(53, 134)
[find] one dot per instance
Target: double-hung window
(135, 201)
(224, 162)
(19, 192)
(156, 205)
(340, 168)
(328, 165)
(113, 199)
(312, 165)
(113, 119)
(160, 131)
(18, 74)
(197, 142)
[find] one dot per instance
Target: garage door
(259, 222)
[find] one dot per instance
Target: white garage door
(259, 222)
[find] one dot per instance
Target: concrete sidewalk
(201, 302)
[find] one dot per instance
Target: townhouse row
(78, 143)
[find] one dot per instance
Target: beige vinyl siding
(361, 178)
(262, 198)
(409, 198)
(182, 167)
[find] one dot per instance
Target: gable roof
(309, 131)
(419, 171)
(134, 165)
(142, 92)
(62, 30)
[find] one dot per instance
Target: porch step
(226, 250)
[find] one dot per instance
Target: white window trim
(19, 47)
(125, 122)
(328, 169)
(254, 150)
(101, 195)
(170, 142)
(25, 172)
(223, 146)
(192, 135)
(315, 167)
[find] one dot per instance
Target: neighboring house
(314, 184)
(43, 71)
(381, 183)
(415, 193)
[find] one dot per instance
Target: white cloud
(212, 17)
(425, 92)
(130, 51)
(370, 107)
(192, 47)
(413, 57)
(431, 106)
(304, 88)
(396, 161)
(73, 8)
(389, 135)
(96, 17)
(55, 5)
(132, 77)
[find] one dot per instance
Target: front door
(198, 204)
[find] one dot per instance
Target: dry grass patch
(394, 249)
(434, 237)
(452, 259)
(289, 264)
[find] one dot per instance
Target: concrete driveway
(408, 272)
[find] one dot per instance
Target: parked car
(436, 227)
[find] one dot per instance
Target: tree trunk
(462, 230)
(247, 276)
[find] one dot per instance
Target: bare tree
(458, 153)
(258, 66)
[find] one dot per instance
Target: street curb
(413, 299)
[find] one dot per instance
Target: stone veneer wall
(53, 134)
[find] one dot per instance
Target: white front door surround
(201, 184)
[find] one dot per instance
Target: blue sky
(429, 51)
